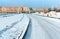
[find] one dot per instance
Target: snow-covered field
(29, 26)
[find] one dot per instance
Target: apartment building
(20, 9)
(12, 9)
(43, 10)
(0, 9)
(4, 9)
(26, 9)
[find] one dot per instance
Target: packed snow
(12, 27)
(29, 26)
(51, 14)
(43, 28)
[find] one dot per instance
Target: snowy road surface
(28, 26)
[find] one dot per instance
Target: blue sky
(30, 3)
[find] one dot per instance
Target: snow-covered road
(29, 26)
(43, 28)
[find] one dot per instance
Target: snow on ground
(15, 26)
(49, 14)
(36, 13)
(6, 15)
(43, 28)
(17, 31)
(9, 21)
(58, 14)
(35, 31)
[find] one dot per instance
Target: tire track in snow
(54, 26)
(41, 25)
(49, 28)
(33, 31)
(12, 25)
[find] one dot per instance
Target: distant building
(58, 9)
(12, 9)
(43, 10)
(34, 10)
(38, 10)
(20, 9)
(31, 10)
(26, 9)
(52, 9)
(4, 9)
(0, 9)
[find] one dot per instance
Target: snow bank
(51, 14)
(54, 14)
(58, 15)
(36, 13)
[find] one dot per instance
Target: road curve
(29, 26)
(43, 28)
